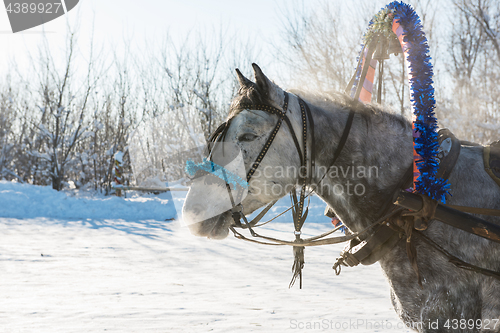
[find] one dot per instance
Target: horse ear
(244, 82)
(263, 83)
(266, 87)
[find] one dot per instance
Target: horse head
(208, 209)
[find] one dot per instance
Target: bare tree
(470, 107)
(62, 125)
(7, 139)
(487, 15)
(321, 48)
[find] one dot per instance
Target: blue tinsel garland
(216, 170)
(422, 99)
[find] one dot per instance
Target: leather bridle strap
(343, 139)
(313, 140)
(304, 105)
(298, 216)
(340, 146)
(262, 214)
(302, 155)
(297, 212)
(270, 139)
(222, 128)
(237, 213)
(316, 240)
(457, 261)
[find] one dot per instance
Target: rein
(316, 240)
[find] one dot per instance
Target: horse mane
(333, 101)
(248, 95)
(325, 99)
(329, 101)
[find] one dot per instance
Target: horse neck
(377, 153)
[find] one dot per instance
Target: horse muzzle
(216, 227)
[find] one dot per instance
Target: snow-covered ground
(78, 263)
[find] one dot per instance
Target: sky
(113, 23)
(116, 21)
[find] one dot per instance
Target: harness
(370, 250)
(413, 216)
(397, 25)
(394, 223)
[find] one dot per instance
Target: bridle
(220, 133)
(298, 213)
(379, 233)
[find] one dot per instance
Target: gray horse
(377, 153)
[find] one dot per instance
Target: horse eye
(247, 137)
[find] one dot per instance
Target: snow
(27, 201)
(75, 262)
